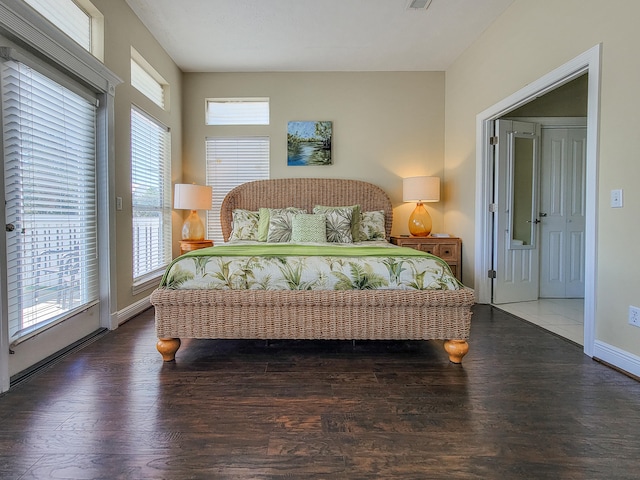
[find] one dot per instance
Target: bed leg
(168, 348)
(456, 349)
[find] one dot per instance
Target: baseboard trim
(620, 359)
(132, 310)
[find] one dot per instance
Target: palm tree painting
(309, 143)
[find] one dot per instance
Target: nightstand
(190, 245)
(449, 249)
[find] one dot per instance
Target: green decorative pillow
(333, 222)
(263, 224)
(307, 227)
(372, 226)
(244, 225)
(265, 218)
(280, 220)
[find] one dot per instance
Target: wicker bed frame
(336, 315)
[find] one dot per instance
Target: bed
(275, 309)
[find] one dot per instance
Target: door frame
(588, 62)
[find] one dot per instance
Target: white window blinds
(232, 162)
(68, 17)
(237, 111)
(50, 193)
(150, 195)
(146, 83)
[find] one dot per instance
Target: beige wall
(386, 125)
(122, 31)
(529, 40)
(569, 100)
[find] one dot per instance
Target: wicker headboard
(304, 193)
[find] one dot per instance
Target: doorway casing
(588, 62)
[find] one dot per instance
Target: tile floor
(563, 316)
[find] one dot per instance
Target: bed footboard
(318, 315)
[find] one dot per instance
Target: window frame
(144, 280)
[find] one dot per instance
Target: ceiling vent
(418, 4)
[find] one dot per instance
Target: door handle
(10, 227)
(542, 214)
(536, 221)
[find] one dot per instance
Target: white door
(562, 212)
(516, 247)
(50, 264)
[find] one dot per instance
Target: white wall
(529, 40)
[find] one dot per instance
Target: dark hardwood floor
(524, 404)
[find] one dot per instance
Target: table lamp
(192, 197)
(420, 189)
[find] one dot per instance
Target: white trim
(588, 62)
(621, 359)
(132, 310)
(553, 122)
(150, 280)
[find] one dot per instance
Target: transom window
(148, 81)
(78, 19)
(237, 111)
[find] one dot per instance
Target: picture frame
(309, 143)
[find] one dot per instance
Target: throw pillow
(263, 224)
(244, 225)
(335, 218)
(307, 227)
(265, 218)
(280, 223)
(372, 226)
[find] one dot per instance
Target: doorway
(587, 63)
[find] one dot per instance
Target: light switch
(118, 203)
(616, 198)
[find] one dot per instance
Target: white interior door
(562, 212)
(516, 183)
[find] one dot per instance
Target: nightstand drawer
(448, 251)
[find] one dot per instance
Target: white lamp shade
(421, 189)
(192, 197)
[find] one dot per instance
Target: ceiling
(315, 35)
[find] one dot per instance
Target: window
(151, 196)
(147, 81)
(231, 162)
(79, 19)
(50, 188)
(237, 111)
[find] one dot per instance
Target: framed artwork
(309, 143)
